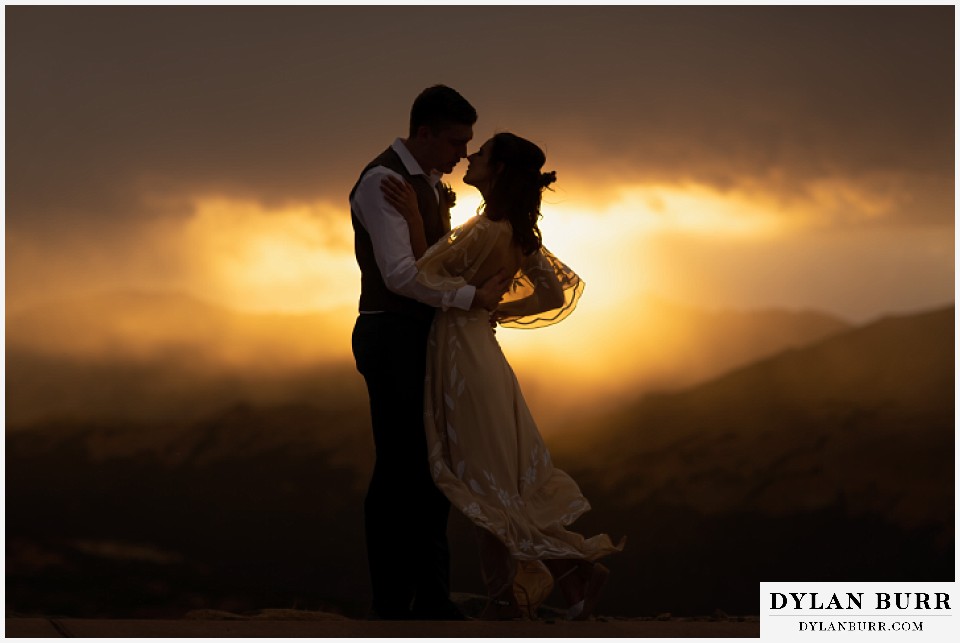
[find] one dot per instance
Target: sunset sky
(719, 157)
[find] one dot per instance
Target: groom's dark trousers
(406, 515)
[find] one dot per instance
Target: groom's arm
(391, 246)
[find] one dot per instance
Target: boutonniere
(449, 196)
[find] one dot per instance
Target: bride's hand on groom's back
(401, 196)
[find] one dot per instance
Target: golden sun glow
(300, 259)
(253, 259)
(608, 245)
(625, 245)
(636, 248)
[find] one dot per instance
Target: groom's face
(447, 145)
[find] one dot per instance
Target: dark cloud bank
(108, 104)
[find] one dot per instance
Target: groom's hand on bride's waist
(489, 294)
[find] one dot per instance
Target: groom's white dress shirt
(390, 236)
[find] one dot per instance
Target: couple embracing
(450, 424)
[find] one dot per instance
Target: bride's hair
(518, 188)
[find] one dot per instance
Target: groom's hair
(438, 106)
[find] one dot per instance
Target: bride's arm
(547, 293)
(401, 196)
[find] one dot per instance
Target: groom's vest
(374, 294)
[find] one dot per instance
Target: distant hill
(144, 325)
(842, 415)
(833, 461)
(688, 345)
(155, 356)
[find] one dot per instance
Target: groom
(405, 514)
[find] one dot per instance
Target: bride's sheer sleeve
(544, 292)
(453, 261)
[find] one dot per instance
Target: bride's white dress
(486, 453)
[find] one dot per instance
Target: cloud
(133, 131)
(284, 105)
(294, 260)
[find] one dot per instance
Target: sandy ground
(339, 627)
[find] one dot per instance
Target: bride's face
(480, 173)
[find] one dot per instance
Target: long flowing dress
(485, 451)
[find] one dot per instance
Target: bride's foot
(502, 607)
(582, 586)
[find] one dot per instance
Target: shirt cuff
(463, 298)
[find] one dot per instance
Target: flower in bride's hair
(546, 178)
(449, 196)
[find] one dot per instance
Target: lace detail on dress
(485, 451)
(534, 300)
(453, 261)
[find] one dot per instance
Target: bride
(486, 453)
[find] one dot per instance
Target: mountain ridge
(120, 352)
(865, 397)
(258, 505)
